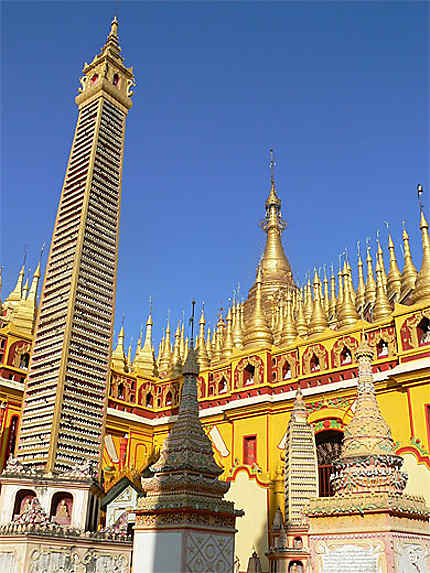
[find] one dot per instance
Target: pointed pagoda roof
(367, 433)
(186, 474)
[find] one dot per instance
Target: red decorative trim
(411, 450)
(415, 356)
(250, 475)
(411, 421)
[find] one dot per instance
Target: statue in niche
(62, 509)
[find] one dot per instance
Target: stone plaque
(350, 559)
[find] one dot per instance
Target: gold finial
(394, 281)
(339, 300)
(272, 167)
(409, 273)
(318, 322)
(422, 285)
(420, 191)
(382, 309)
(228, 342)
(202, 352)
(380, 259)
(176, 364)
(118, 358)
(275, 266)
(370, 283)
(332, 308)
(16, 295)
(237, 327)
(258, 332)
(326, 293)
(347, 313)
(289, 330)
(301, 324)
(360, 298)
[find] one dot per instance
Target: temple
(306, 408)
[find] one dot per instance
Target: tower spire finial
(420, 197)
(272, 166)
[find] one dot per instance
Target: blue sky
(339, 89)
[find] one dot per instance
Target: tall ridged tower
(66, 389)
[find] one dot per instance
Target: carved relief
(249, 371)
(343, 351)
(318, 352)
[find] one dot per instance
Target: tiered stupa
(369, 522)
(184, 524)
(289, 539)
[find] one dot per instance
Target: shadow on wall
(252, 527)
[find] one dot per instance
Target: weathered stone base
(33, 553)
(378, 542)
(182, 550)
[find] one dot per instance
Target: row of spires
(20, 307)
(294, 313)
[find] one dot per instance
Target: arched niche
(61, 508)
(23, 499)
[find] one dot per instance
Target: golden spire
(394, 281)
(367, 433)
(237, 329)
(25, 289)
(25, 313)
(370, 284)
(242, 317)
(289, 331)
(318, 321)
(182, 345)
(308, 306)
(164, 361)
(258, 332)
(326, 294)
(409, 273)
(228, 342)
(176, 364)
(129, 358)
(339, 300)
(202, 353)
(144, 359)
(380, 259)
(16, 295)
(274, 263)
(301, 325)
(347, 313)
(118, 358)
(382, 309)
(333, 302)
(209, 344)
(278, 326)
(360, 298)
(139, 342)
(422, 286)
